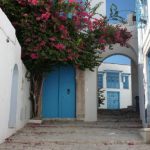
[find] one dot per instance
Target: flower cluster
(53, 32)
(61, 32)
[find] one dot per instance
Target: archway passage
(13, 100)
(116, 80)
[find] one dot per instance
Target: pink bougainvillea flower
(28, 40)
(63, 18)
(33, 2)
(34, 56)
(69, 50)
(53, 39)
(72, 1)
(25, 15)
(38, 18)
(42, 43)
(45, 16)
(102, 41)
(62, 27)
(59, 46)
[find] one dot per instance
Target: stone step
(118, 114)
(119, 120)
(98, 124)
(124, 111)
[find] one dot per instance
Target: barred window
(113, 80)
(126, 82)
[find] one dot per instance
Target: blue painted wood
(59, 93)
(113, 100)
(50, 95)
(67, 92)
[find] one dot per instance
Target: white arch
(13, 100)
(118, 50)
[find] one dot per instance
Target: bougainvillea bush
(60, 32)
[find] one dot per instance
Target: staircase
(124, 118)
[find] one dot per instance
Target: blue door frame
(113, 100)
(59, 93)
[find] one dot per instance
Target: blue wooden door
(113, 100)
(67, 92)
(50, 94)
(59, 93)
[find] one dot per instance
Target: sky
(118, 59)
(123, 7)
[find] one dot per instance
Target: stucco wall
(10, 55)
(91, 95)
(125, 94)
(144, 49)
(91, 77)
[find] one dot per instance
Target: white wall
(10, 55)
(102, 9)
(91, 77)
(144, 48)
(125, 94)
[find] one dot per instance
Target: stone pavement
(74, 137)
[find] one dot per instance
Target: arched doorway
(132, 55)
(118, 88)
(13, 99)
(114, 80)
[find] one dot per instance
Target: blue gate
(113, 100)
(59, 93)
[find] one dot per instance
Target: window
(100, 80)
(126, 82)
(113, 80)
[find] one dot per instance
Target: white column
(91, 95)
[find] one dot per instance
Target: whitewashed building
(14, 87)
(115, 80)
(143, 26)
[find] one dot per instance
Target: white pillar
(91, 95)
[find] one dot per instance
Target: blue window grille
(126, 82)
(100, 80)
(141, 13)
(113, 80)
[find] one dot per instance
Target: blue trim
(100, 80)
(126, 73)
(112, 71)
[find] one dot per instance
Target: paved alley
(74, 137)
